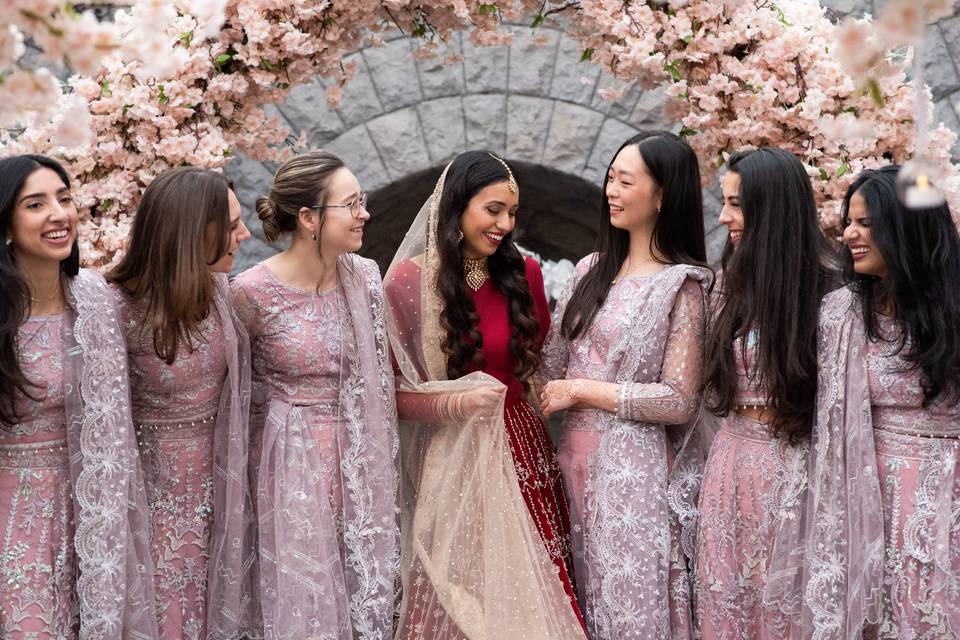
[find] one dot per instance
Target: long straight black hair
(14, 291)
(677, 231)
(921, 249)
(772, 286)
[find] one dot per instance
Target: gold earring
(314, 237)
(459, 236)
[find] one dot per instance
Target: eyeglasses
(356, 206)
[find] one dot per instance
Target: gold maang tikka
(511, 181)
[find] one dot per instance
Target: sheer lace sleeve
(556, 349)
(244, 307)
(673, 400)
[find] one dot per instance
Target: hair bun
(268, 218)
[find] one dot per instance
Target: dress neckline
(308, 292)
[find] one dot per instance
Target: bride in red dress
(485, 528)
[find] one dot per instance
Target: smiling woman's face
(44, 225)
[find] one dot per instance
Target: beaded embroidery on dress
(631, 554)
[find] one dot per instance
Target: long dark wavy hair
(772, 287)
(677, 232)
(921, 249)
(468, 174)
(14, 290)
(181, 228)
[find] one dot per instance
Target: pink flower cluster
(741, 73)
(187, 82)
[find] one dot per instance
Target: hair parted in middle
(772, 286)
(921, 249)
(469, 173)
(181, 227)
(677, 232)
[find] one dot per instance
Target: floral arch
(170, 83)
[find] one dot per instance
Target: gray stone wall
(533, 101)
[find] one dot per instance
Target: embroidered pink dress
(175, 412)
(750, 479)
(323, 453)
(74, 561)
(38, 562)
(621, 469)
(917, 449)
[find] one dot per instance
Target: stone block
(622, 107)
(532, 57)
(356, 149)
(359, 102)
(569, 73)
(945, 111)
(939, 71)
(648, 112)
(485, 68)
(438, 79)
(528, 121)
(485, 117)
(306, 110)
(613, 133)
(399, 139)
(443, 128)
(573, 130)
(394, 74)
(251, 179)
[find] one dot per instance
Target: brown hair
(299, 182)
(167, 258)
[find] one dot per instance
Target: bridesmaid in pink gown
(74, 560)
(760, 378)
(189, 383)
(887, 438)
(323, 417)
(623, 357)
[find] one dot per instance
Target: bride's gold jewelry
(511, 181)
(475, 272)
(56, 292)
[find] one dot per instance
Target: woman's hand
(482, 401)
(559, 395)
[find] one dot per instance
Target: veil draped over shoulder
(473, 564)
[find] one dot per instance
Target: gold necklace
(475, 272)
(55, 293)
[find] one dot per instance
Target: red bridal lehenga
(484, 522)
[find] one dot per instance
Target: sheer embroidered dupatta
(115, 582)
(306, 578)
(473, 565)
(630, 550)
(232, 537)
(827, 562)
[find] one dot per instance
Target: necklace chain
(56, 291)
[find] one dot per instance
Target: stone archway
(534, 102)
(557, 217)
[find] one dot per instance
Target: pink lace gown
(917, 450)
(299, 340)
(322, 454)
(750, 479)
(619, 469)
(38, 596)
(174, 412)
